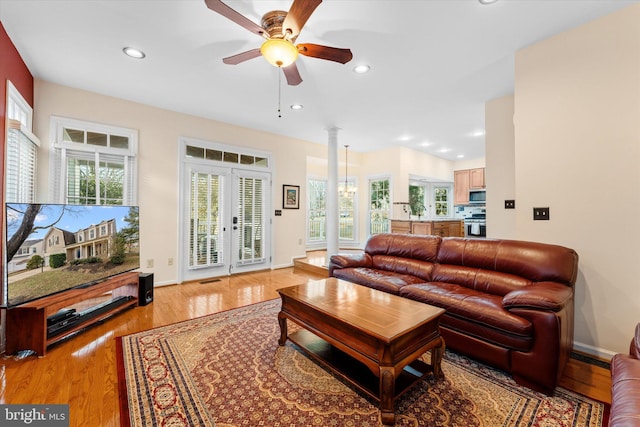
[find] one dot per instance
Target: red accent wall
(13, 68)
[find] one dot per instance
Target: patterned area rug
(227, 370)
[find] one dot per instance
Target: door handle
(235, 227)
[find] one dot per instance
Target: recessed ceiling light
(404, 138)
(133, 52)
(425, 144)
(460, 156)
(487, 1)
(361, 69)
(478, 132)
(297, 107)
(444, 150)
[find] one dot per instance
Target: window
(317, 211)
(442, 200)
(346, 202)
(380, 205)
(21, 149)
(93, 164)
(430, 199)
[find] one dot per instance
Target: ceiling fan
(281, 29)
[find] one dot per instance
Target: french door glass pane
(250, 220)
(205, 232)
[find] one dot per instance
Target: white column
(332, 194)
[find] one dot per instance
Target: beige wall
(158, 163)
(577, 150)
(469, 164)
(500, 177)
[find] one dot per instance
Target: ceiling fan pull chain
(279, 92)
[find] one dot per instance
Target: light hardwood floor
(81, 371)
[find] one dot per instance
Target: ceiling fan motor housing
(272, 23)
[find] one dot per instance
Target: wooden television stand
(27, 323)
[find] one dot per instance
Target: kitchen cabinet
(461, 187)
(400, 227)
(476, 178)
(446, 228)
(465, 180)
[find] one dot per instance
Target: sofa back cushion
(535, 262)
(404, 254)
(492, 282)
(423, 248)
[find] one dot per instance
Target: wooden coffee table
(369, 338)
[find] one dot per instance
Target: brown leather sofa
(508, 303)
(625, 386)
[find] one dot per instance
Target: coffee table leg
(282, 320)
(437, 353)
(387, 392)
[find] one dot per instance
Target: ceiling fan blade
(325, 52)
(292, 74)
(241, 57)
(227, 12)
(300, 11)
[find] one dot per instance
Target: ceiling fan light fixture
(279, 52)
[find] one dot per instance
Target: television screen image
(50, 248)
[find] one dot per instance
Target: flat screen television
(50, 248)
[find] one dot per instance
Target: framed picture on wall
(290, 196)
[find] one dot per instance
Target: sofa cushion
(381, 280)
(537, 262)
(420, 269)
(420, 247)
(482, 312)
(493, 282)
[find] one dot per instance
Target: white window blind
(22, 149)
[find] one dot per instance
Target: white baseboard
(593, 351)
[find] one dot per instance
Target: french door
(226, 228)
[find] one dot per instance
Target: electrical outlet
(540, 214)
(509, 204)
(150, 263)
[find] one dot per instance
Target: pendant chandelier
(347, 190)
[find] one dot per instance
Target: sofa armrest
(542, 295)
(339, 261)
(351, 260)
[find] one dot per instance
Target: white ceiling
(434, 63)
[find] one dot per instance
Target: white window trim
(14, 95)
(58, 124)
